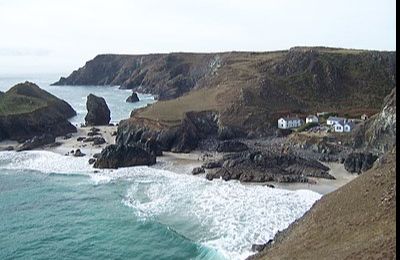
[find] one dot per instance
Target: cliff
(357, 221)
(249, 90)
(379, 132)
(27, 111)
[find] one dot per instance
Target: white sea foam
(226, 216)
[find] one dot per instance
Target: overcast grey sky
(57, 36)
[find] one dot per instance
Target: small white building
(343, 126)
(333, 119)
(364, 117)
(311, 119)
(289, 122)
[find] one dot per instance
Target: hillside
(357, 221)
(249, 90)
(26, 111)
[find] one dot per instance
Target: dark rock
(94, 129)
(96, 155)
(270, 186)
(115, 156)
(264, 167)
(359, 162)
(92, 160)
(212, 165)
(198, 170)
(36, 142)
(133, 98)
(114, 133)
(98, 111)
(95, 139)
(80, 138)
(93, 133)
(78, 153)
(67, 136)
(231, 146)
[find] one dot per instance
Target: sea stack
(98, 111)
(133, 98)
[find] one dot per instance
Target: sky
(59, 36)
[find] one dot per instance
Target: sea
(56, 207)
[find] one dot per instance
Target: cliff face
(165, 75)
(248, 91)
(379, 132)
(301, 75)
(27, 111)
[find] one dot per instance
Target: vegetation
(306, 126)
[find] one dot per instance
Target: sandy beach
(184, 163)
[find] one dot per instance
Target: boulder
(96, 140)
(78, 153)
(98, 111)
(198, 170)
(115, 156)
(212, 165)
(92, 160)
(133, 98)
(36, 141)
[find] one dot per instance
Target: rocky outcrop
(256, 166)
(359, 162)
(379, 132)
(36, 142)
(231, 146)
(98, 111)
(132, 98)
(116, 156)
(27, 111)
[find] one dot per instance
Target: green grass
(17, 104)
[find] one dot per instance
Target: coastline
(183, 163)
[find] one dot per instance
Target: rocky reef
(261, 166)
(98, 111)
(27, 111)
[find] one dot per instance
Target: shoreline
(183, 163)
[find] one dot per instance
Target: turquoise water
(56, 207)
(76, 95)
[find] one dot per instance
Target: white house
(332, 120)
(364, 117)
(311, 119)
(343, 126)
(289, 122)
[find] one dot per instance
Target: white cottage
(289, 122)
(311, 119)
(343, 126)
(333, 119)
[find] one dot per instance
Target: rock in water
(198, 170)
(115, 156)
(133, 98)
(98, 111)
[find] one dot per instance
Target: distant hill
(250, 90)
(27, 110)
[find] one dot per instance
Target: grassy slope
(272, 95)
(24, 98)
(358, 221)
